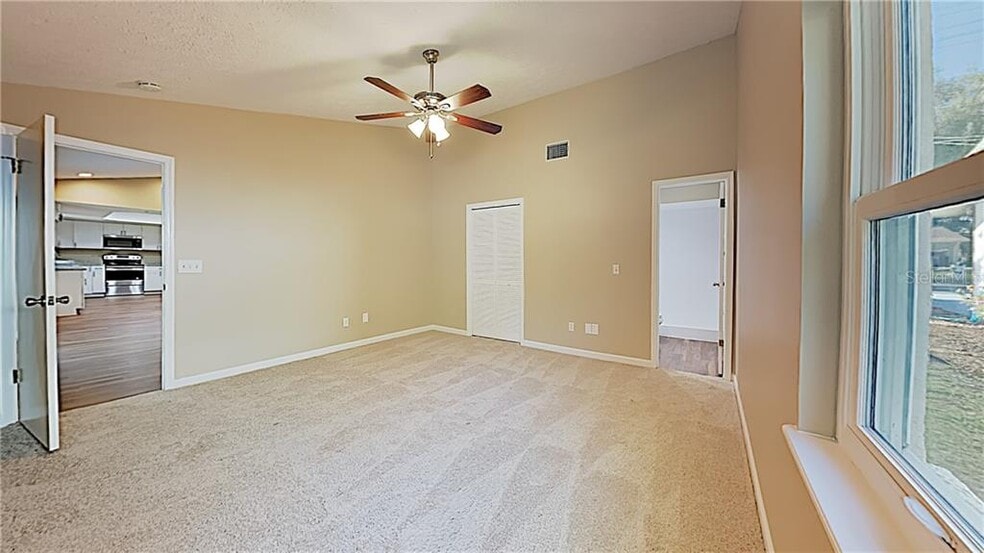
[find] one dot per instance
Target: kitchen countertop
(71, 268)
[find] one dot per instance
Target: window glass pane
(926, 385)
(940, 83)
(958, 79)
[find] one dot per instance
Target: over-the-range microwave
(118, 242)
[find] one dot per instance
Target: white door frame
(167, 232)
(522, 246)
(727, 179)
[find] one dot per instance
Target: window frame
(871, 137)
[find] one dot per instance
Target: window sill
(854, 516)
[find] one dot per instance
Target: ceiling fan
(432, 110)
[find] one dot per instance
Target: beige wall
(285, 213)
(769, 218)
(671, 118)
(136, 193)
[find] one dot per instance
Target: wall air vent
(558, 150)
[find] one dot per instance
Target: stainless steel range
(124, 274)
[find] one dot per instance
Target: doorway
(494, 259)
(108, 244)
(44, 294)
(692, 274)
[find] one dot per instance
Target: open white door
(726, 288)
(37, 360)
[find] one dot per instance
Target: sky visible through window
(958, 38)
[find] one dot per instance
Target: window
(914, 400)
(925, 399)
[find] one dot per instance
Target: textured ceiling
(70, 162)
(310, 58)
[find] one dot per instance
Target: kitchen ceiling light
(417, 127)
(85, 174)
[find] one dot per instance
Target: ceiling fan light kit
(432, 110)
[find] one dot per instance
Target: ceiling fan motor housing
(430, 100)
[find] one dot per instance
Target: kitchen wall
(674, 117)
(769, 219)
(138, 193)
(285, 213)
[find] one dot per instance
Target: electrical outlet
(616, 269)
(190, 266)
(365, 316)
(571, 327)
(345, 322)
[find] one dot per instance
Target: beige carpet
(432, 442)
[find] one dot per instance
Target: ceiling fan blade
(477, 124)
(467, 96)
(376, 81)
(390, 115)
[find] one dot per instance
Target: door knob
(716, 284)
(63, 299)
(34, 302)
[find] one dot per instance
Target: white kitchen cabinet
(65, 234)
(114, 229)
(132, 230)
(88, 234)
(95, 281)
(152, 237)
(153, 279)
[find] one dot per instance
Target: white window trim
(953, 183)
(959, 181)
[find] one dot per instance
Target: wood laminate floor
(692, 356)
(110, 351)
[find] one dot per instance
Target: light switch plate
(570, 327)
(591, 328)
(365, 316)
(345, 322)
(616, 269)
(190, 265)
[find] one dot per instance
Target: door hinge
(16, 165)
(722, 202)
(18, 376)
(721, 343)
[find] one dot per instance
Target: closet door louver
(509, 272)
(482, 263)
(496, 272)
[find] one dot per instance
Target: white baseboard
(610, 357)
(689, 333)
(756, 488)
(300, 356)
(448, 330)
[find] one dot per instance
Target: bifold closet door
(495, 253)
